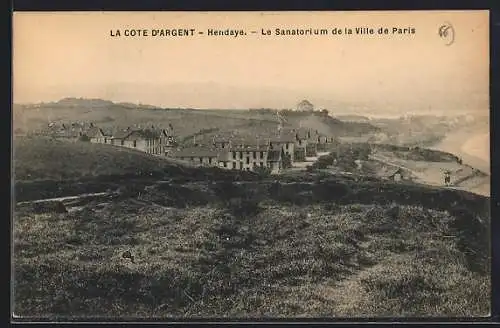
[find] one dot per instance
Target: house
(96, 135)
(62, 130)
(274, 160)
(305, 106)
(307, 139)
(198, 156)
(286, 143)
(323, 142)
(248, 156)
(145, 140)
(167, 138)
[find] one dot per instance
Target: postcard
(250, 165)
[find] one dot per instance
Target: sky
(72, 54)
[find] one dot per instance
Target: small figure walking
(447, 178)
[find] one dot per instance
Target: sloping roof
(121, 134)
(94, 132)
(135, 134)
(196, 152)
(284, 138)
(263, 147)
(221, 139)
(249, 144)
(393, 172)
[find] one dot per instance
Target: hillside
(47, 167)
(37, 158)
(185, 121)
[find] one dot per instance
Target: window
(201, 160)
(286, 146)
(248, 160)
(261, 164)
(234, 165)
(210, 160)
(261, 154)
(225, 164)
(234, 154)
(254, 154)
(122, 142)
(135, 143)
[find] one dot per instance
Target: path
(61, 199)
(425, 177)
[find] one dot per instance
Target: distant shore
(473, 148)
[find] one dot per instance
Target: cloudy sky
(60, 55)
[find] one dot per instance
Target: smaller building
(305, 106)
(286, 143)
(198, 156)
(145, 140)
(96, 135)
(398, 175)
(274, 160)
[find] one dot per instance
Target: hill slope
(185, 121)
(37, 158)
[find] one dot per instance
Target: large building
(151, 140)
(305, 106)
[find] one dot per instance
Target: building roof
(136, 134)
(196, 152)
(284, 138)
(262, 147)
(393, 172)
(94, 132)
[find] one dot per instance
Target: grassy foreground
(243, 259)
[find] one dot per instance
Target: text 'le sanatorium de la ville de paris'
(189, 32)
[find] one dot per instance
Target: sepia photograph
(250, 165)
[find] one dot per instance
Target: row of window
(254, 154)
(213, 161)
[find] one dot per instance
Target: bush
(84, 138)
(262, 171)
